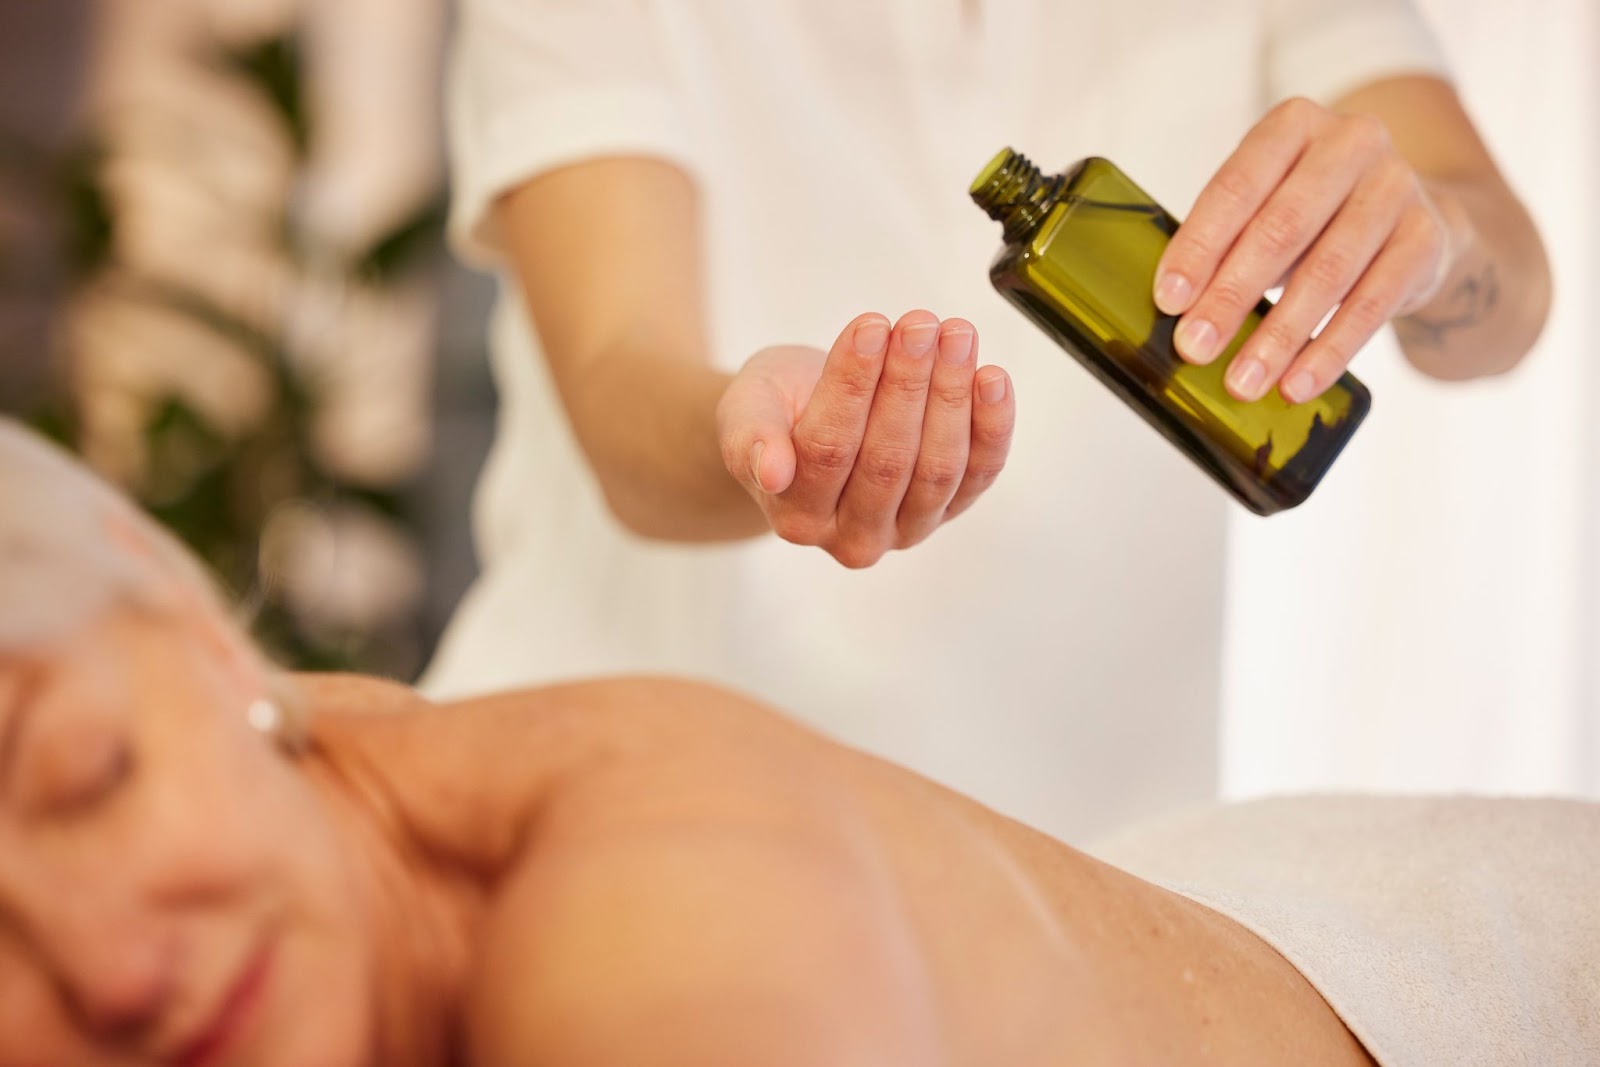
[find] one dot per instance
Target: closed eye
(108, 775)
(74, 771)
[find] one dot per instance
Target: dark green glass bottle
(1079, 259)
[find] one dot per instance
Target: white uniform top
(1054, 651)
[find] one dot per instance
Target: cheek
(319, 1007)
(325, 986)
(33, 1028)
(222, 799)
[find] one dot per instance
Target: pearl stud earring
(266, 717)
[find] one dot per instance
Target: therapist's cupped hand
(1323, 204)
(870, 446)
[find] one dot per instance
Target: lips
(222, 1033)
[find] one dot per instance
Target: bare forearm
(607, 253)
(1491, 306)
(648, 428)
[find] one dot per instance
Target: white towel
(1457, 932)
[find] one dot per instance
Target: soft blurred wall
(1431, 619)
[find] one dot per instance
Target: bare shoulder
(677, 874)
(704, 892)
(470, 778)
(618, 714)
(720, 886)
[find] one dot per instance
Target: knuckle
(1230, 295)
(940, 475)
(985, 466)
(885, 467)
(1296, 106)
(1286, 112)
(1375, 133)
(910, 389)
(1366, 312)
(1330, 269)
(951, 394)
(1281, 336)
(1190, 247)
(1282, 229)
(1299, 113)
(825, 453)
(1367, 133)
(981, 477)
(854, 387)
(1236, 187)
(991, 437)
(1397, 178)
(1329, 356)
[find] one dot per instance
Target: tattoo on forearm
(1471, 302)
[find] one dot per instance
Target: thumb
(773, 465)
(755, 429)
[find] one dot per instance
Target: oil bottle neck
(1013, 192)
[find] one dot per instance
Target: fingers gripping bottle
(1079, 259)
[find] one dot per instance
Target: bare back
(693, 879)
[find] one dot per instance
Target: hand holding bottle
(1325, 204)
(873, 445)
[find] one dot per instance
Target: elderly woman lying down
(205, 863)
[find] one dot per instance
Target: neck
(422, 918)
(436, 807)
(440, 806)
(465, 784)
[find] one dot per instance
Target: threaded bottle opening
(1011, 190)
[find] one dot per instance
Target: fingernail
(1172, 292)
(992, 389)
(1246, 377)
(755, 462)
(1196, 340)
(955, 346)
(871, 338)
(917, 339)
(1299, 387)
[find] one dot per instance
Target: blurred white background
(1431, 619)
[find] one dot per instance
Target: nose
(116, 976)
(124, 999)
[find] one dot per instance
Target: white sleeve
(1322, 49)
(539, 84)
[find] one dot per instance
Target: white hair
(71, 547)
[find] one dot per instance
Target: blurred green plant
(217, 490)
